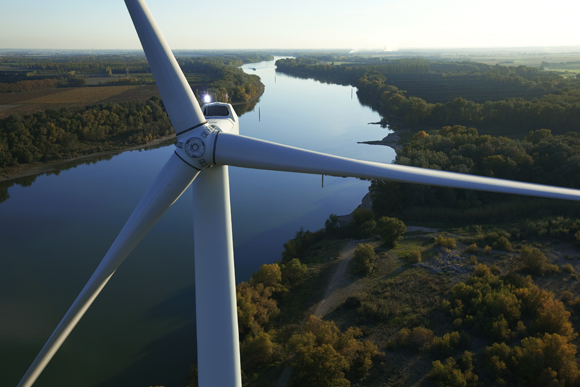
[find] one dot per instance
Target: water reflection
(140, 330)
(56, 168)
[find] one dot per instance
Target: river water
(141, 329)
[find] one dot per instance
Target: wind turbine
(205, 146)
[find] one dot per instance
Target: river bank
(25, 170)
(392, 139)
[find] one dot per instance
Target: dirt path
(340, 279)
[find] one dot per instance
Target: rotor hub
(196, 147)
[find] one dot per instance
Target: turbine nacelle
(223, 116)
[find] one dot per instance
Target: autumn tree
(255, 307)
(323, 356)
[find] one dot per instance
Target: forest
(487, 295)
(487, 299)
(479, 97)
(473, 306)
(53, 135)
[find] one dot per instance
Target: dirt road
(340, 281)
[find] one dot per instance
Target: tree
(451, 374)
(553, 317)
(359, 222)
(268, 275)
(323, 356)
(391, 229)
(546, 361)
(256, 350)
(332, 224)
(255, 307)
(293, 273)
(363, 261)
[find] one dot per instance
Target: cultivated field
(39, 100)
(81, 95)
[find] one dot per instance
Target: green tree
(257, 350)
(363, 261)
(293, 273)
(391, 229)
(332, 224)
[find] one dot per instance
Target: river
(141, 329)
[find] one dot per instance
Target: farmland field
(81, 94)
(38, 100)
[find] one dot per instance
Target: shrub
(420, 338)
(363, 259)
(473, 260)
(567, 268)
(533, 260)
(487, 250)
(414, 256)
(482, 270)
(566, 296)
(502, 243)
(472, 249)
(445, 242)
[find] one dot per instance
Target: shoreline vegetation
(488, 297)
(125, 113)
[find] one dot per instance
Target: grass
(80, 95)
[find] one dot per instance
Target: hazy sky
(257, 24)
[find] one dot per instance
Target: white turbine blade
(178, 98)
(247, 152)
(173, 179)
(218, 353)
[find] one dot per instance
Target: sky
(306, 24)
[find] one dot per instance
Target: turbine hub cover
(195, 147)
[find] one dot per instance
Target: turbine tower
(206, 144)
